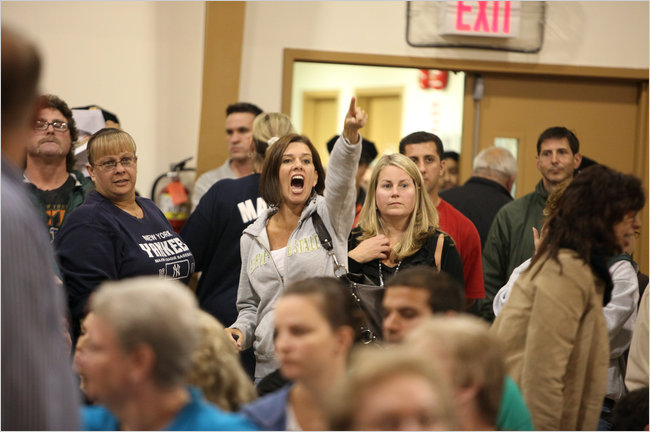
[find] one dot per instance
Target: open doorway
(607, 107)
(398, 100)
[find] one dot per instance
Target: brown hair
(55, 102)
(584, 215)
(445, 293)
(333, 300)
(21, 67)
(270, 182)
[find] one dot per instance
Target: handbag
(366, 295)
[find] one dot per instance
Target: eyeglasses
(126, 162)
(56, 124)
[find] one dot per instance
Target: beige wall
(140, 60)
(607, 34)
(143, 60)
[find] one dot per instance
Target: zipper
(271, 258)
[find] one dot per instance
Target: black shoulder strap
(323, 234)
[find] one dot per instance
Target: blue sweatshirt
(100, 242)
(213, 232)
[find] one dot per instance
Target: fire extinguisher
(173, 199)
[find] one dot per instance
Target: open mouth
(297, 183)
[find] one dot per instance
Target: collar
(74, 174)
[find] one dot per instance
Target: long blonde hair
(424, 218)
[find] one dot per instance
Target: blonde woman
(398, 226)
(115, 234)
(391, 390)
(216, 368)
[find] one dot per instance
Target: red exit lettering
(484, 21)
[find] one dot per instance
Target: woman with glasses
(115, 234)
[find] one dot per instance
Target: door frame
(474, 67)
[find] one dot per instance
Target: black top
(450, 259)
(213, 232)
(479, 199)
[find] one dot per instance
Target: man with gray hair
(140, 336)
(481, 197)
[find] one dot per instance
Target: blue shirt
(197, 415)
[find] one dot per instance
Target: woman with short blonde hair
(115, 234)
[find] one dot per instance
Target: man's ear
(511, 182)
(577, 160)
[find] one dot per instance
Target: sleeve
(202, 228)
(38, 386)
(621, 307)
(353, 266)
(555, 317)
(88, 253)
(637, 367)
(502, 296)
(451, 262)
(340, 192)
(495, 259)
(472, 265)
(201, 185)
(247, 299)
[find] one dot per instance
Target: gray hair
(495, 162)
(159, 313)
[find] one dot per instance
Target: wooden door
(604, 115)
(320, 119)
(384, 108)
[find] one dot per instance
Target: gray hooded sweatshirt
(260, 283)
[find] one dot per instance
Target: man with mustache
(57, 187)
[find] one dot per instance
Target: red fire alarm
(434, 79)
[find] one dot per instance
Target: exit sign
(481, 18)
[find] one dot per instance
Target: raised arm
(340, 190)
(355, 119)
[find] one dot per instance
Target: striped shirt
(38, 386)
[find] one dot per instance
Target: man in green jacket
(510, 239)
(57, 188)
